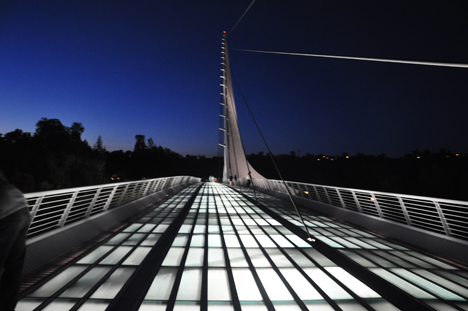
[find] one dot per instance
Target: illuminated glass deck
(219, 250)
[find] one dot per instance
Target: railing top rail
(67, 190)
(416, 197)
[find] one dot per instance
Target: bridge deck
(212, 247)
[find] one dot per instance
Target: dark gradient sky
(123, 68)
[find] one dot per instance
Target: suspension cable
(273, 160)
(241, 17)
(364, 59)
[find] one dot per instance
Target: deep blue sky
(123, 68)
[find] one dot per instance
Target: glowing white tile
(180, 240)
(257, 258)
(300, 284)
(198, 240)
(95, 255)
(265, 241)
(218, 287)
(216, 257)
(273, 285)
(298, 241)
(248, 241)
(117, 238)
(236, 257)
(278, 258)
(195, 257)
(190, 285)
(281, 240)
(113, 284)
(214, 240)
(134, 239)
(162, 284)
(91, 305)
(361, 289)
(116, 255)
(59, 281)
(151, 240)
(431, 287)
(160, 228)
(231, 241)
(330, 287)
(137, 256)
(84, 284)
(245, 285)
(173, 257)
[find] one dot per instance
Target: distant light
(457, 154)
(306, 192)
(372, 199)
(419, 157)
(224, 31)
(347, 157)
(310, 239)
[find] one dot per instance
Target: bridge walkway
(214, 247)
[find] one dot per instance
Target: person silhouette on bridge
(230, 180)
(14, 223)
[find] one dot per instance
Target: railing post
(156, 185)
(93, 202)
(132, 195)
(377, 206)
(316, 193)
(67, 209)
(144, 189)
(358, 205)
(405, 211)
(442, 219)
(110, 198)
(35, 208)
(123, 194)
(340, 197)
(326, 194)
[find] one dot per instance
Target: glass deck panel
(256, 245)
(161, 287)
(84, 284)
(113, 284)
(51, 287)
(218, 287)
(95, 255)
(190, 285)
(274, 287)
(330, 287)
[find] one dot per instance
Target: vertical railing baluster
(35, 208)
(442, 219)
(326, 194)
(377, 205)
(341, 198)
(405, 211)
(110, 198)
(92, 203)
(124, 192)
(67, 209)
(358, 204)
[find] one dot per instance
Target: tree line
(55, 157)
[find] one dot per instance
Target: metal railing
(57, 208)
(449, 217)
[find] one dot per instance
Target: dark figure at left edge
(14, 223)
